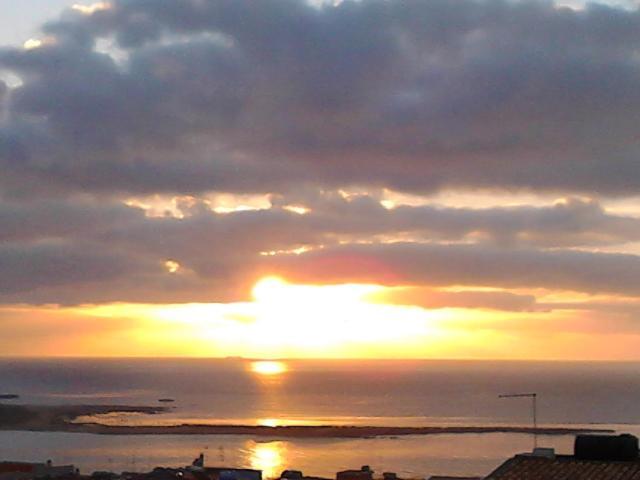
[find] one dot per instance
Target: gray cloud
(83, 251)
(432, 298)
(27, 221)
(437, 264)
(246, 96)
(571, 223)
(26, 268)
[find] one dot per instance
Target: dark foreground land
(61, 419)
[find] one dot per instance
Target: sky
(283, 178)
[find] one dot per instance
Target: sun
(269, 289)
(289, 317)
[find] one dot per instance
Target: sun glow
(91, 9)
(327, 320)
(268, 288)
(34, 43)
(172, 266)
(308, 321)
(287, 320)
(268, 422)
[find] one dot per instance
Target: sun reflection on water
(268, 367)
(268, 422)
(270, 457)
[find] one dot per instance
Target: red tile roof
(448, 477)
(564, 467)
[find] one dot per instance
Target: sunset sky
(291, 178)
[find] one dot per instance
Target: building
(365, 473)
(222, 473)
(298, 475)
(30, 471)
(596, 457)
(446, 477)
(206, 473)
(196, 471)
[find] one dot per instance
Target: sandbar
(61, 419)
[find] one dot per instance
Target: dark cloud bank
(279, 97)
(250, 96)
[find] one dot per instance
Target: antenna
(534, 411)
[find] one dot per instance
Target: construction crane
(534, 411)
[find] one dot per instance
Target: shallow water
(419, 456)
(320, 392)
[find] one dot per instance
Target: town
(595, 457)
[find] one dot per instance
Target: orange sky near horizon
(286, 320)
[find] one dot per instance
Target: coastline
(312, 431)
(61, 419)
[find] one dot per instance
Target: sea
(318, 392)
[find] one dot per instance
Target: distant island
(63, 419)
(8, 396)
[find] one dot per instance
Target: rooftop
(564, 467)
